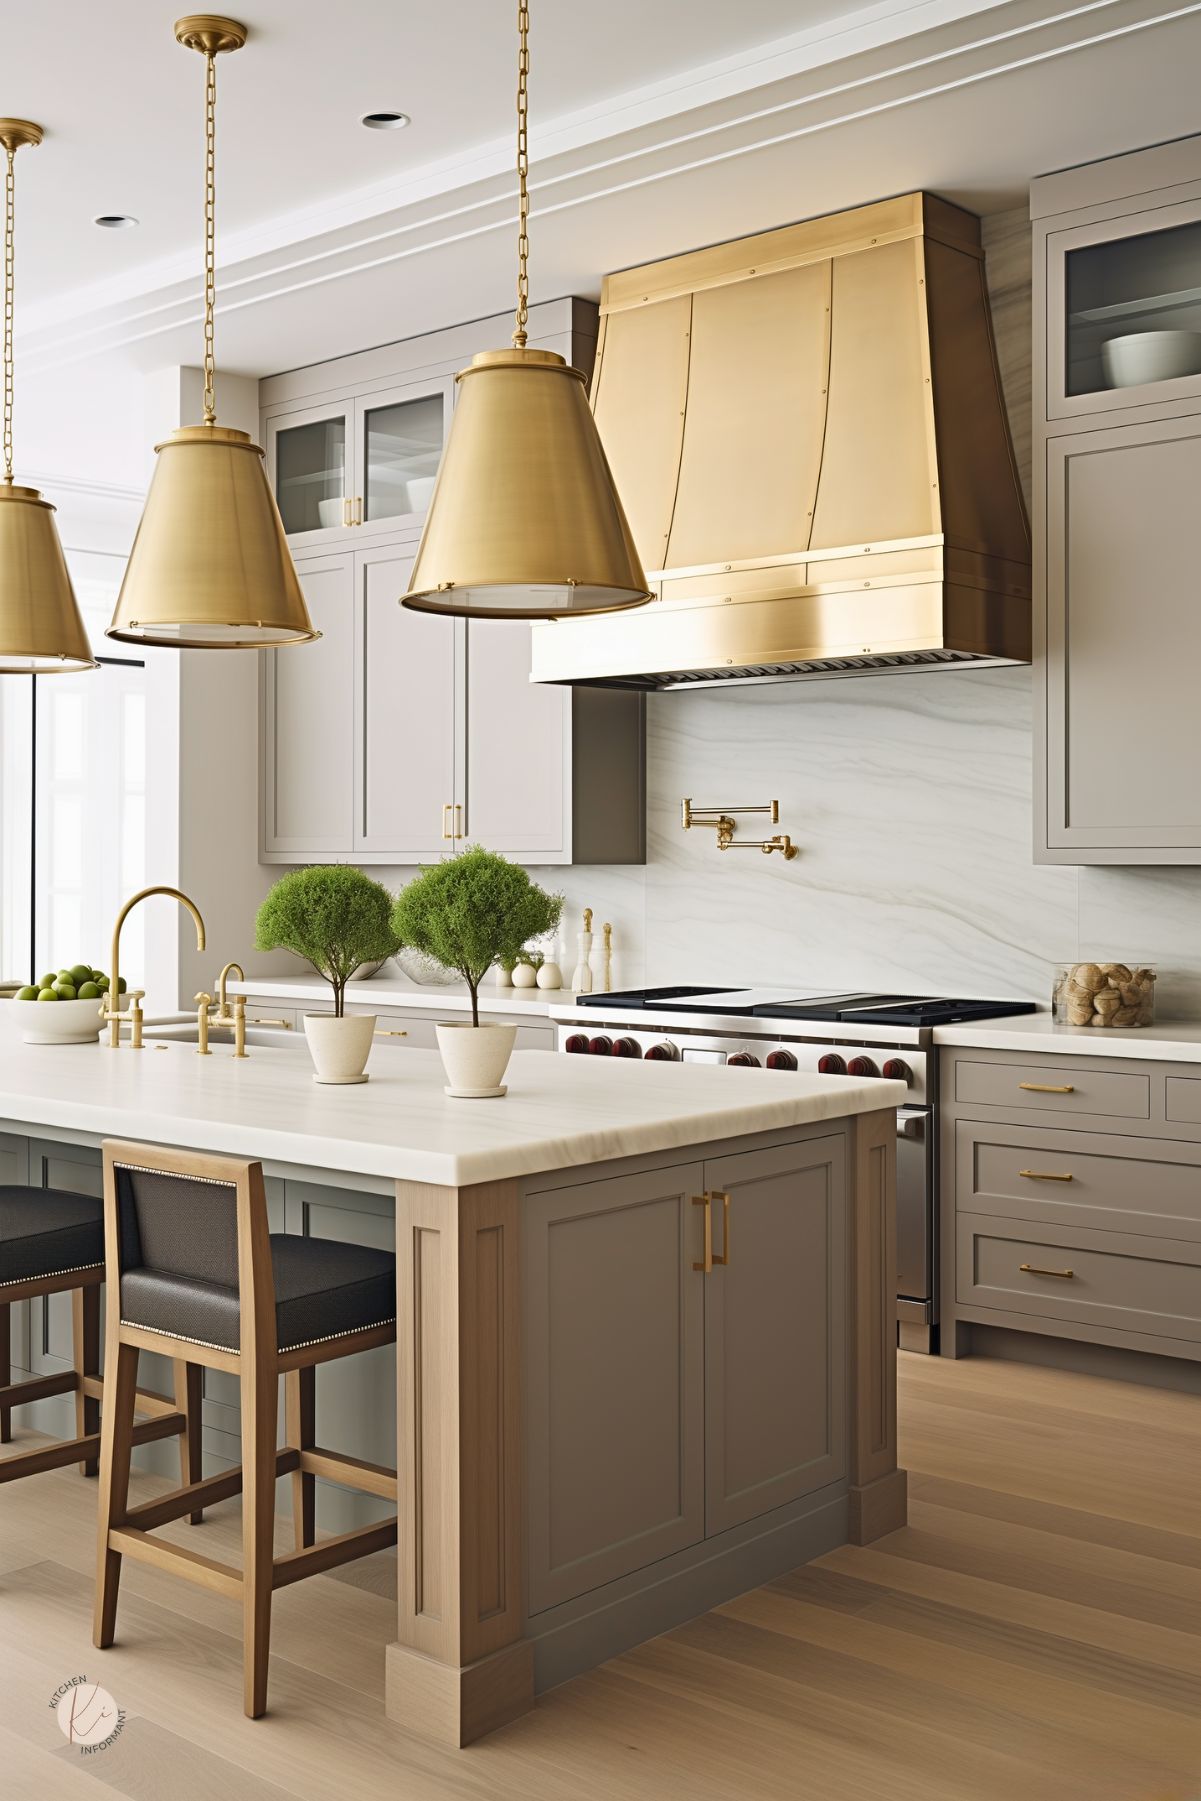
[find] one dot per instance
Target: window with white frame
(73, 797)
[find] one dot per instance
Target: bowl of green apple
(63, 1007)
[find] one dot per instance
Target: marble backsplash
(910, 798)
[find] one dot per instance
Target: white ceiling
(657, 125)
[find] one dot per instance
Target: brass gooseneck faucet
(113, 1011)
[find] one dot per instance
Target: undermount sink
(187, 1032)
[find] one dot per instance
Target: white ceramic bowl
(56, 1022)
(329, 512)
(418, 492)
(1143, 356)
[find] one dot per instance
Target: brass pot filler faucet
(722, 820)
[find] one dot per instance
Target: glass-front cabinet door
(308, 456)
(1128, 293)
(399, 435)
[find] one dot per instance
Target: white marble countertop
(560, 1112)
(391, 991)
(1175, 1041)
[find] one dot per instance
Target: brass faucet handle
(206, 999)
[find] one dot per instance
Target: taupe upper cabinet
(399, 736)
(1117, 461)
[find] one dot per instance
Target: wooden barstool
(189, 1257)
(51, 1241)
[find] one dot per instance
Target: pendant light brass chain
(523, 174)
(10, 213)
(210, 233)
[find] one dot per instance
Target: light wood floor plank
(1026, 1638)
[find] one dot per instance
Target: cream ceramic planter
(339, 1047)
(475, 1058)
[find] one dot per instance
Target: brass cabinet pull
(1032, 1269)
(357, 515)
(705, 1201)
(286, 1024)
(1048, 1087)
(458, 832)
(1045, 1175)
(383, 1032)
(446, 820)
(720, 1195)
(347, 514)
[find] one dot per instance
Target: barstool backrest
(194, 1216)
(182, 1225)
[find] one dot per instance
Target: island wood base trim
(581, 1634)
(454, 1706)
(878, 1507)
(873, 1441)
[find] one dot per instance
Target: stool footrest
(78, 1450)
(349, 1472)
(176, 1559)
(206, 1493)
(38, 1388)
(331, 1552)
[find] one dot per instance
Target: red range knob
(600, 1047)
(781, 1060)
(897, 1070)
(627, 1047)
(662, 1053)
(744, 1060)
(831, 1065)
(577, 1044)
(862, 1066)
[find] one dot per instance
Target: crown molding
(808, 85)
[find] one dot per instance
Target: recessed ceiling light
(385, 121)
(115, 221)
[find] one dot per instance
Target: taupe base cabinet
(1071, 1199)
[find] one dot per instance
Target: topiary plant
(332, 915)
(472, 911)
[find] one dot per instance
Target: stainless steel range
(832, 1035)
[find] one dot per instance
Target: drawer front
(1079, 1179)
(1182, 1102)
(421, 1033)
(1100, 1280)
(1055, 1087)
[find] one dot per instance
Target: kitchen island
(645, 1350)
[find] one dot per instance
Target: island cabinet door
(775, 1329)
(614, 1351)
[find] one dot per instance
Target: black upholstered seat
(46, 1232)
(323, 1289)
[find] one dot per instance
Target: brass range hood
(808, 432)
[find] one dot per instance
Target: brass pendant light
(41, 631)
(525, 522)
(210, 567)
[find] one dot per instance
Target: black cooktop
(845, 1009)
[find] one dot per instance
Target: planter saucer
(340, 1081)
(475, 1094)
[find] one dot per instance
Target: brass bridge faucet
(722, 819)
(236, 1021)
(113, 1011)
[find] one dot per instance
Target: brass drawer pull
(1032, 1269)
(720, 1195)
(285, 1025)
(705, 1201)
(1045, 1175)
(446, 805)
(383, 1032)
(1048, 1087)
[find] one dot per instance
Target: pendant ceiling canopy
(525, 521)
(210, 567)
(41, 631)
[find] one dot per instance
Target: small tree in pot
(470, 912)
(337, 919)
